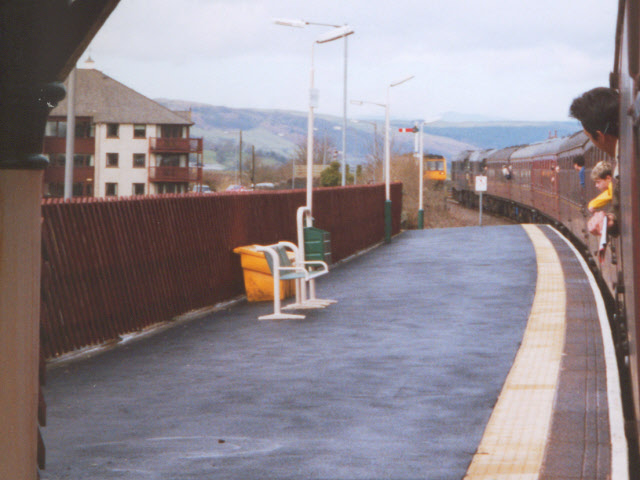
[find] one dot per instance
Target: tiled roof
(108, 101)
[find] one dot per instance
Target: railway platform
(477, 353)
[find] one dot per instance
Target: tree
(332, 175)
(373, 168)
(323, 150)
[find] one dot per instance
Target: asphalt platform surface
(395, 381)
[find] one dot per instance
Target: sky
(502, 59)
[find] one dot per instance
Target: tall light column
(329, 36)
(302, 24)
(239, 169)
(421, 175)
(387, 161)
(313, 103)
(375, 142)
(71, 136)
(344, 119)
(240, 158)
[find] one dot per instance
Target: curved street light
(387, 162)
(301, 24)
(329, 36)
(336, 33)
(387, 156)
(375, 143)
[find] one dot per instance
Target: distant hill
(502, 134)
(275, 134)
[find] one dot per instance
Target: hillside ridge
(277, 134)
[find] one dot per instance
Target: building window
(58, 128)
(57, 159)
(112, 159)
(111, 189)
(112, 130)
(171, 131)
(84, 129)
(56, 190)
(55, 128)
(171, 187)
(138, 188)
(168, 160)
(139, 131)
(51, 129)
(139, 160)
(82, 160)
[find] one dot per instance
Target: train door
(628, 70)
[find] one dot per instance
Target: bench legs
(275, 254)
(312, 295)
(303, 302)
(281, 316)
(277, 313)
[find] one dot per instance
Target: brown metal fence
(116, 266)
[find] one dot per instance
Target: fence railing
(112, 267)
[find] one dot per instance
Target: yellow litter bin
(258, 281)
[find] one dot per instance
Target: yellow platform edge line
(514, 441)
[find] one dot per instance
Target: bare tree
(373, 168)
(323, 151)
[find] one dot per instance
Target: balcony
(175, 174)
(85, 146)
(80, 174)
(175, 145)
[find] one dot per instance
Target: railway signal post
(418, 153)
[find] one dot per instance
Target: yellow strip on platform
(514, 440)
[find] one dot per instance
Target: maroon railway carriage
(626, 78)
(545, 187)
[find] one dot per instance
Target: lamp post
(331, 35)
(375, 143)
(71, 136)
(387, 157)
(421, 164)
(239, 172)
(302, 24)
(387, 162)
(387, 203)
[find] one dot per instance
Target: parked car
(202, 189)
(236, 188)
(264, 186)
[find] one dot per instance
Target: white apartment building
(125, 143)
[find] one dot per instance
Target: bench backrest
(281, 251)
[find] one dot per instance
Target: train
(538, 183)
(435, 168)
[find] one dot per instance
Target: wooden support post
(20, 262)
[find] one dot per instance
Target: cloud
(524, 58)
